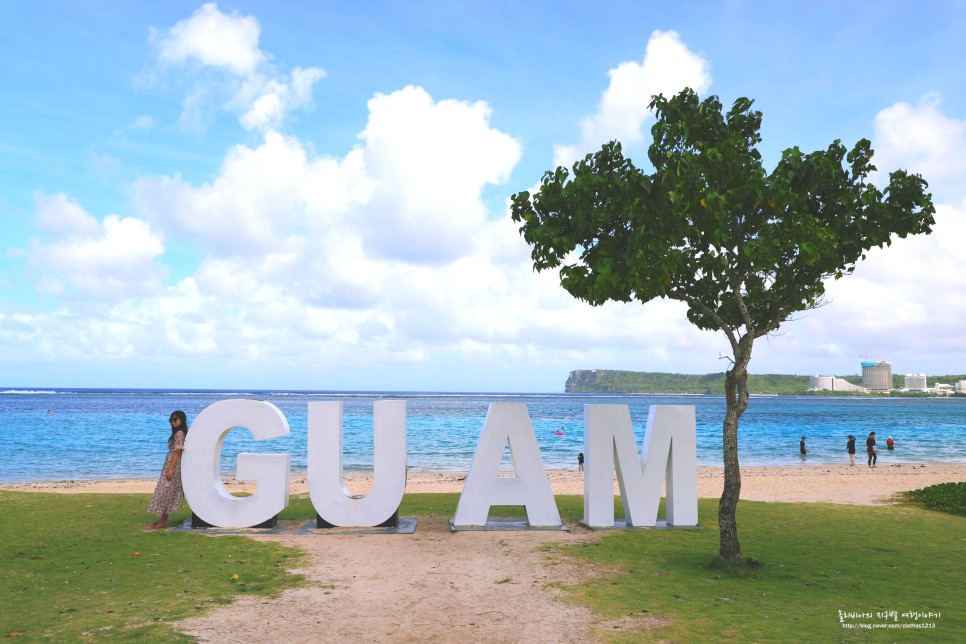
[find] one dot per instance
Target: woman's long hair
(183, 426)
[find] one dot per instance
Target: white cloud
(902, 303)
(212, 38)
(429, 162)
(112, 258)
(58, 214)
(386, 256)
(260, 200)
(249, 85)
(265, 103)
(412, 192)
(922, 139)
(383, 267)
(667, 68)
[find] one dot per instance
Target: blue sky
(313, 195)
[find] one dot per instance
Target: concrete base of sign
(280, 527)
(505, 525)
(197, 522)
(622, 525)
(405, 525)
(391, 522)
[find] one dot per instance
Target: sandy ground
(859, 485)
(438, 586)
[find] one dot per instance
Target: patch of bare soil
(431, 586)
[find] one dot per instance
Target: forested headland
(646, 382)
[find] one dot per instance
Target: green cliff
(627, 382)
(608, 381)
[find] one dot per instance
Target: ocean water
(77, 434)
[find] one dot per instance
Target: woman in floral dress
(168, 494)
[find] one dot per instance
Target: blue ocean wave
(90, 434)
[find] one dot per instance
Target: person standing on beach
(802, 448)
(850, 448)
(870, 447)
(168, 493)
(580, 462)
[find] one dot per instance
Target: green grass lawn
(76, 567)
(814, 560)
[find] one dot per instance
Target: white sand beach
(859, 485)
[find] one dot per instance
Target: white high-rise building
(916, 382)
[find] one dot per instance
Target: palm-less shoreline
(858, 485)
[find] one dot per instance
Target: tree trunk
(736, 401)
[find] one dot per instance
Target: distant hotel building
(831, 383)
(877, 376)
(916, 382)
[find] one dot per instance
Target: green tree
(744, 249)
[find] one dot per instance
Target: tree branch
(701, 306)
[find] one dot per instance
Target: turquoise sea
(77, 434)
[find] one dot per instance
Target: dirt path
(431, 586)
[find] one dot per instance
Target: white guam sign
(668, 454)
